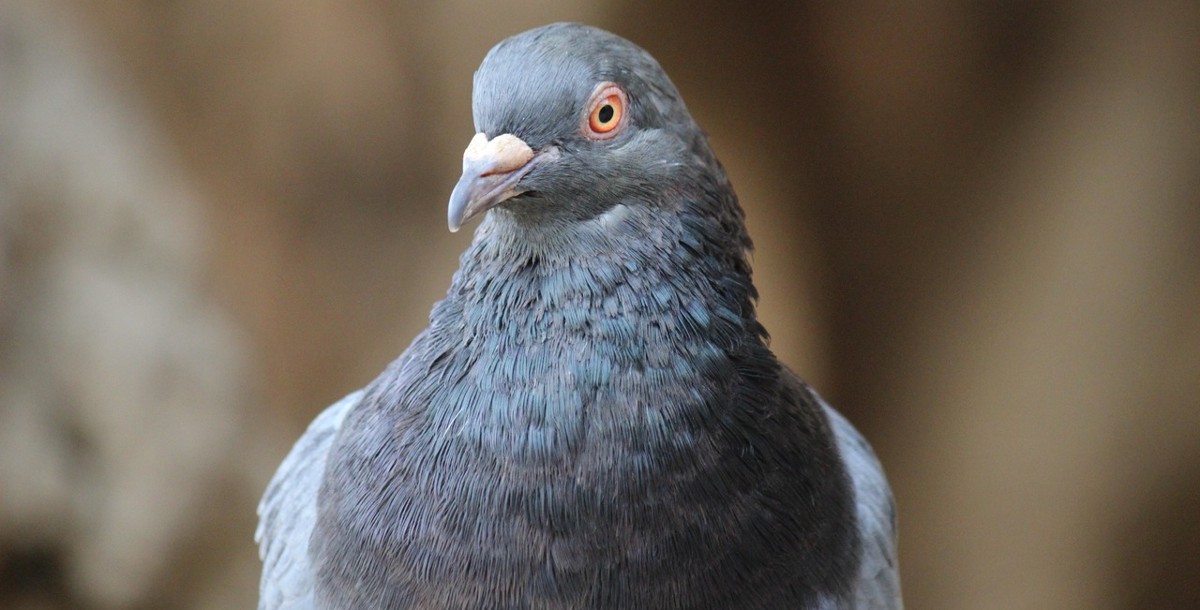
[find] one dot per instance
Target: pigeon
(593, 417)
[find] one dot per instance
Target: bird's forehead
(519, 84)
(535, 84)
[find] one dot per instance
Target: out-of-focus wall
(977, 230)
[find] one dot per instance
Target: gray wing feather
(878, 585)
(288, 512)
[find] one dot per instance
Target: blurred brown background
(977, 229)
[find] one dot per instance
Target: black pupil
(606, 113)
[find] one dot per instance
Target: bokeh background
(977, 228)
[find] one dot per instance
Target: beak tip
(459, 201)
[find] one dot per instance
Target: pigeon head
(572, 121)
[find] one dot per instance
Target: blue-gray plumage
(593, 418)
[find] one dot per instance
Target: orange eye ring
(606, 112)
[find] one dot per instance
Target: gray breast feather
(288, 512)
(878, 586)
(288, 509)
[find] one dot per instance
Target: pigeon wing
(288, 512)
(878, 586)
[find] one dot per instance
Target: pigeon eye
(606, 112)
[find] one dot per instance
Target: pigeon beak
(491, 171)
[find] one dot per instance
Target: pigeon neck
(632, 260)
